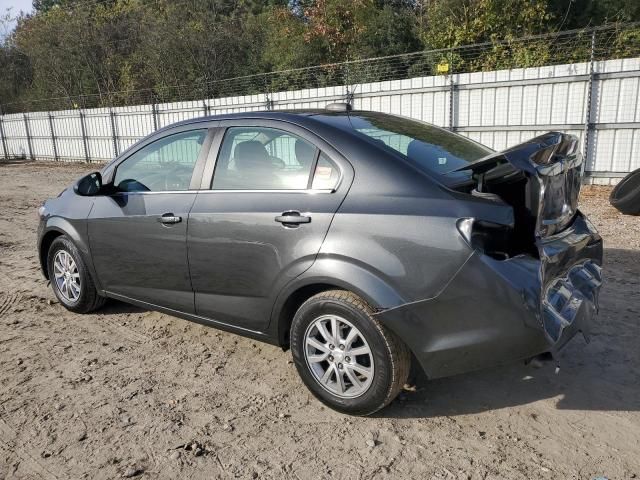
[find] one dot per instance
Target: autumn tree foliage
(111, 49)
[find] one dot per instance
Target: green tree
(570, 14)
(15, 69)
(135, 51)
(451, 23)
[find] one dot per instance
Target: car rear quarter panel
(399, 225)
(412, 249)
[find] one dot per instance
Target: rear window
(430, 148)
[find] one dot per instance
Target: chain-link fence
(574, 46)
(583, 82)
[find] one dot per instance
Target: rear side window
(260, 158)
(326, 175)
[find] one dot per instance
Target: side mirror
(89, 185)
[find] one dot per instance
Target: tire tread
(400, 355)
(92, 299)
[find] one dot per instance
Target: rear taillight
(490, 238)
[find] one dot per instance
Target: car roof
(359, 150)
(382, 167)
(298, 117)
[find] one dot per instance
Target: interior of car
(263, 159)
(165, 165)
(250, 158)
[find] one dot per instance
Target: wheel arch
(56, 227)
(45, 245)
(285, 312)
(329, 274)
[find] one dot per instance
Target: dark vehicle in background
(625, 196)
(359, 240)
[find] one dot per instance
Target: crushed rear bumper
(497, 311)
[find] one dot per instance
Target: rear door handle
(169, 218)
(292, 218)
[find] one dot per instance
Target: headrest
(304, 152)
(250, 154)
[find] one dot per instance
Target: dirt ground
(128, 392)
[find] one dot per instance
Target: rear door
(261, 220)
(138, 233)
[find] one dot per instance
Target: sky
(16, 6)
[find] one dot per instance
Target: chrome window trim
(300, 190)
(297, 190)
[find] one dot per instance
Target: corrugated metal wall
(498, 108)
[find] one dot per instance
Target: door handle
(169, 218)
(292, 218)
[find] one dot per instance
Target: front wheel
(345, 357)
(70, 278)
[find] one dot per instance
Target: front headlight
(42, 212)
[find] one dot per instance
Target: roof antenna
(339, 107)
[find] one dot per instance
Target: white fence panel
(499, 108)
(68, 131)
(16, 135)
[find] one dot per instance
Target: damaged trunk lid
(547, 169)
(540, 179)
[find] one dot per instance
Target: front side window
(260, 158)
(164, 165)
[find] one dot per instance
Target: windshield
(430, 148)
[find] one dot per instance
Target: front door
(261, 222)
(137, 234)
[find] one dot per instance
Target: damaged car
(361, 241)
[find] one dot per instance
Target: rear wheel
(345, 357)
(70, 279)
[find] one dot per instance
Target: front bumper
(497, 311)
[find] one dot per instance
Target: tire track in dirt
(9, 439)
(125, 331)
(8, 301)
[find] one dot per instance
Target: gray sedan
(361, 241)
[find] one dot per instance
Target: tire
(625, 197)
(388, 360)
(81, 299)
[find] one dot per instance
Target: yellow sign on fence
(443, 67)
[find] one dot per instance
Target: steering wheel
(277, 163)
(132, 185)
(173, 180)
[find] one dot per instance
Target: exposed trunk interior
(540, 180)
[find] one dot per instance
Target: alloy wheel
(338, 356)
(67, 276)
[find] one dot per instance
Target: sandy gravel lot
(129, 392)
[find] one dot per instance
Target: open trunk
(540, 179)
